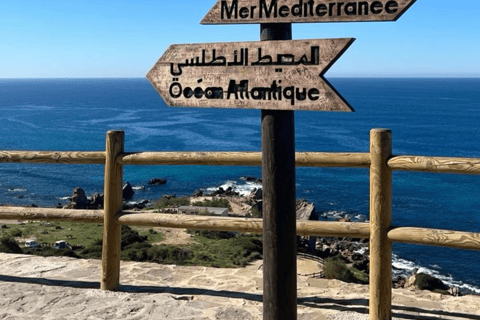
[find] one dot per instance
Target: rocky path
(64, 288)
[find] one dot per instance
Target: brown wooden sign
(278, 75)
(290, 11)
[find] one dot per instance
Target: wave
(243, 189)
(405, 268)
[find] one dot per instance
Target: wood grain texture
(435, 164)
(279, 202)
(110, 271)
(274, 75)
(304, 228)
(192, 158)
(302, 159)
(332, 159)
(63, 157)
(436, 237)
(380, 303)
(51, 214)
(292, 12)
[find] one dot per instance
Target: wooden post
(110, 274)
(380, 222)
(279, 197)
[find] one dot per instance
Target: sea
(428, 117)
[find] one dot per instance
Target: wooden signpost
(278, 75)
(289, 11)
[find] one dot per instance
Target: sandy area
(65, 288)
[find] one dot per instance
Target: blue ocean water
(436, 117)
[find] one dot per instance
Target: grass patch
(163, 203)
(214, 203)
(335, 268)
(215, 249)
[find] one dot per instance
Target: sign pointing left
(279, 75)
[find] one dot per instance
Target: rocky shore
(354, 253)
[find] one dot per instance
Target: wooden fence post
(279, 198)
(110, 274)
(380, 222)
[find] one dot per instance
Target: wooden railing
(379, 160)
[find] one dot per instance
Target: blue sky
(103, 38)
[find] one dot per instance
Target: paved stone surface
(65, 288)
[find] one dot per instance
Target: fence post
(380, 222)
(110, 274)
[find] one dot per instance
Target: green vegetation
(218, 249)
(9, 245)
(254, 213)
(214, 203)
(335, 268)
(215, 249)
(163, 203)
(427, 282)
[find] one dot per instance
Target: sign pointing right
(291, 11)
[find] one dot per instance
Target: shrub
(335, 268)
(93, 251)
(136, 252)
(130, 236)
(9, 245)
(171, 202)
(427, 282)
(212, 234)
(170, 254)
(16, 233)
(215, 203)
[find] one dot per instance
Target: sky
(124, 38)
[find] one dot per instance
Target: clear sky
(124, 38)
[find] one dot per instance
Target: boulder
(96, 201)
(197, 193)
(256, 194)
(425, 281)
(169, 196)
(128, 191)
(79, 199)
(305, 210)
(157, 181)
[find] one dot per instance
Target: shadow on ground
(346, 305)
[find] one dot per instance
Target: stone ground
(65, 288)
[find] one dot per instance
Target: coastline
(245, 185)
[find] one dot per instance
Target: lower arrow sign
(278, 75)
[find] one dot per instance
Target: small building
(203, 210)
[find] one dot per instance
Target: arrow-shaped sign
(280, 75)
(291, 11)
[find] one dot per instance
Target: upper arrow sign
(279, 75)
(290, 11)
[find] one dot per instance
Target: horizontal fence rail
(64, 157)
(423, 236)
(436, 237)
(469, 166)
(435, 164)
(51, 214)
(380, 231)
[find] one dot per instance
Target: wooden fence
(380, 230)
